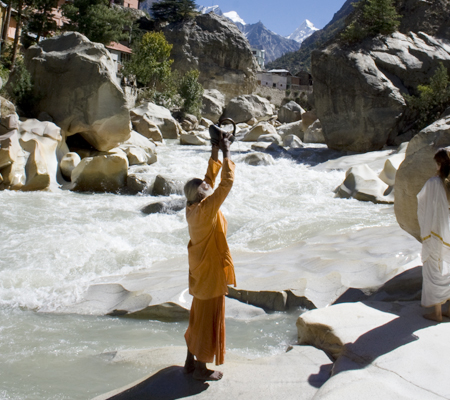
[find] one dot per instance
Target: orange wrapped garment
(211, 268)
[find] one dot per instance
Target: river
(57, 243)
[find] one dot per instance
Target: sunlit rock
(213, 104)
(292, 141)
(102, 173)
(387, 175)
(290, 112)
(314, 133)
(189, 122)
(362, 183)
(270, 138)
(245, 108)
(263, 128)
(28, 156)
(74, 81)
(308, 117)
(294, 128)
(193, 139)
(258, 159)
(301, 369)
(415, 170)
(68, 164)
(139, 150)
(159, 115)
(146, 127)
(166, 185)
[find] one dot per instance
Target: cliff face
(217, 48)
(359, 90)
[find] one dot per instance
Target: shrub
(20, 87)
(191, 92)
(432, 99)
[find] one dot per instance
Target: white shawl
(432, 212)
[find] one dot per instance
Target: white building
(275, 78)
(260, 56)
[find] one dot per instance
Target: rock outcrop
(74, 82)
(28, 154)
(415, 170)
(358, 92)
(147, 115)
(215, 46)
(247, 107)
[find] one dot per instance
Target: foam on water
(55, 244)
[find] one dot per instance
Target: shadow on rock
(317, 380)
(168, 384)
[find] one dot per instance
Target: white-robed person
(433, 214)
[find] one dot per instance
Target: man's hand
(225, 144)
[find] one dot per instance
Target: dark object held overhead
(216, 133)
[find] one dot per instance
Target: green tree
(370, 18)
(99, 20)
(173, 10)
(432, 99)
(191, 92)
(40, 20)
(150, 62)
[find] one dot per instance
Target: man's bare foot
(204, 374)
(433, 317)
(189, 365)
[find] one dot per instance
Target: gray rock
(292, 141)
(193, 139)
(139, 150)
(245, 108)
(268, 147)
(270, 138)
(68, 164)
(263, 128)
(160, 116)
(189, 123)
(136, 184)
(214, 45)
(74, 81)
(213, 105)
(258, 159)
(170, 206)
(415, 170)
(314, 133)
(294, 128)
(290, 112)
(362, 183)
(359, 92)
(165, 186)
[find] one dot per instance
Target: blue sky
(281, 16)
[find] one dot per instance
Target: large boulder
(358, 91)
(215, 46)
(263, 128)
(362, 183)
(148, 112)
(245, 108)
(294, 128)
(139, 150)
(415, 170)
(314, 133)
(102, 173)
(28, 155)
(74, 81)
(290, 112)
(213, 104)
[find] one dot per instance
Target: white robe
(433, 215)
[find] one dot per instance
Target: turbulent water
(55, 244)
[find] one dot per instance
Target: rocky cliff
(359, 90)
(215, 46)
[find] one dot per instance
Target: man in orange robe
(211, 267)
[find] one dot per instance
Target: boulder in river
(74, 82)
(290, 112)
(415, 170)
(246, 107)
(148, 112)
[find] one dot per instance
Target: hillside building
(282, 79)
(260, 56)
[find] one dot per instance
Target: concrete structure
(282, 79)
(260, 56)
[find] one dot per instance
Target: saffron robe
(211, 267)
(433, 215)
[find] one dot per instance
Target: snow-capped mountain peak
(206, 10)
(234, 16)
(306, 29)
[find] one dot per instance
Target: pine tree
(173, 10)
(98, 20)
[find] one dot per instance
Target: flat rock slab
(387, 350)
(296, 374)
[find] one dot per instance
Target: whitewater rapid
(56, 244)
